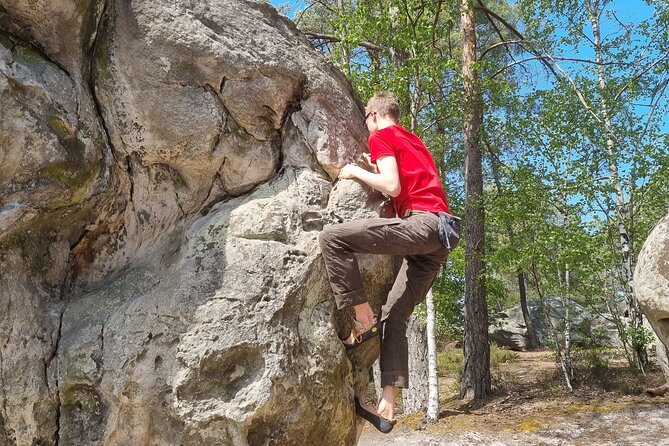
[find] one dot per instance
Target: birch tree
(620, 91)
(600, 108)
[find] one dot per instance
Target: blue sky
(628, 12)
(294, 5)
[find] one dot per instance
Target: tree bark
(433, 379)
(414, 398)
(532, 341)
(547, 311)
(476, 374)
(568, 365)
(376, 370)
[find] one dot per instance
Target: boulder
(651, 280)
(509, 329)
(165, 169)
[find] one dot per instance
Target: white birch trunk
(433, 380)
(567, 333)
(563, 352)
(547, 311)
(376, 369)
(627, 266)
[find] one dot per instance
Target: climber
(423, 233)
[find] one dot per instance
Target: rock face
(510, 331)
(651, 279)
(165, 168)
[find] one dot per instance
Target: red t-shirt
(421, 187)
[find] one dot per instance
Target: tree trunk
(415, 397)
(476, 374)
(568, 365)
(627, 267)
(433, 379)
(547, 312)
(532, 341)
(564, 353)
(345, 56)
(376, 370)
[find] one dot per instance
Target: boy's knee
(326, 237)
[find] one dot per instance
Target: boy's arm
(387, 180)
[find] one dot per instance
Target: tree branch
(543, 57)
(501, 37)
(334, 39)
(515, 63)
(481, 7)
(495, 45)
(512, 29)
(577, 91)
(637, 76)
(654, 106)
(297, 21)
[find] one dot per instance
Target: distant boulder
(510, 331)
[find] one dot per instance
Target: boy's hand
(348, 172)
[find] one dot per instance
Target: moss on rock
(60, 127)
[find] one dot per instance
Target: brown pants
(417, 239)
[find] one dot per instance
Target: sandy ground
(530, 408)
(641, 425)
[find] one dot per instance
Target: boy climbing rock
(423, 232)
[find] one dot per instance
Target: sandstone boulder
(651, 279)
(165, 168)
(509, 329)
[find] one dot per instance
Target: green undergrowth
(450, 360)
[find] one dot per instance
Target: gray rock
(164, 171)
(509, 329)
(651, 279)
(50, 157)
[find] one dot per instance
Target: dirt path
(645, 424)
(531, 408)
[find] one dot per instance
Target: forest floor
(530, 406)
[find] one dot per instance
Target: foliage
(449, 360)
(639, 337)
(500, 356)
(593, 360)
(449, 290)
(576, 147)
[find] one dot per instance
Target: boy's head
(383, 104)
